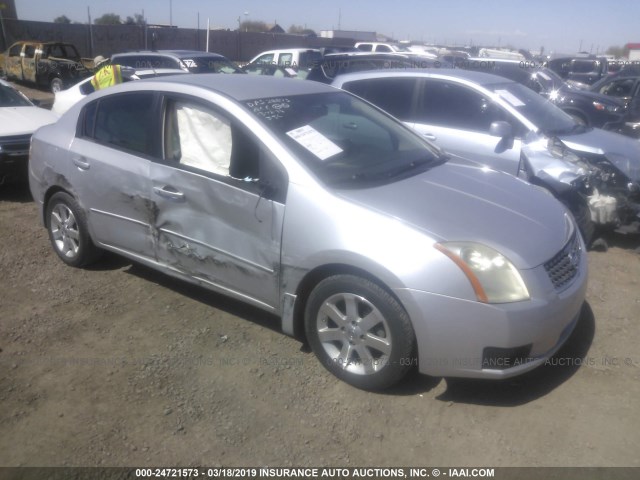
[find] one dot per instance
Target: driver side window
(619, 88)
(199, 138)
(449, 105)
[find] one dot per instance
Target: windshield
(548, 118)
(549, 79)
(10, 97)
(344, 141)
(209, 65)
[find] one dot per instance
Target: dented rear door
(108, 165)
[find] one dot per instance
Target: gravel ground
(118, 365)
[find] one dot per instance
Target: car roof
(297, 49)
(170, 53)
(510, 61)
(246, 87)
(479, 78)
(363, 54)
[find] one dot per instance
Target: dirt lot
(118, 365)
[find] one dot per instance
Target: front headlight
(493, 277)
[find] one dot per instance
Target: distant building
(8, 8)
(275, 28)
(634, 51)
(356, 35)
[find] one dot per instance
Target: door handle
(81, 163)
(430, 136)
(169, 192)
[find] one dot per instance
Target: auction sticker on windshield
(315, 142)
(510, 97)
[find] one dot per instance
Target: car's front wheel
(68, 232)
(359, 332)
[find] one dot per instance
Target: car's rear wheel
(359, 332)
(68, 232)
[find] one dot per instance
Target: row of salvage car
(380, 249)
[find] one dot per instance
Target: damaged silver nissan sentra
(310, 203)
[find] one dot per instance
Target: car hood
(464, 203)
(621, 151)
(23, 120)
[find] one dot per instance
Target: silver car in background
(499, 123)
(311, 204)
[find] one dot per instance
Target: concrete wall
(108, 39)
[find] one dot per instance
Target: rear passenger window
(584, 66)
(394, 95)
(285, 60)
(121, 121)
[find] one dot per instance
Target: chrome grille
(564, 267)
(15, 145)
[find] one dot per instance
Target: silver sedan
(311, 204)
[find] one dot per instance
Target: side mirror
(501, 129)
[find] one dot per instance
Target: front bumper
(14, 157)
(462, 338)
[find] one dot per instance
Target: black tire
(67, 226)
(56, 85)
(359, 332)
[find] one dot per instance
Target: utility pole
(90, 32)
(4, 35)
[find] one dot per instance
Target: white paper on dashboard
(510, 97)
(315, 142)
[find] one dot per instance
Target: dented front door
(218, 231)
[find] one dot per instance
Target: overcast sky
(558, 25)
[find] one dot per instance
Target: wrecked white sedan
(311, 204)
(19, 118)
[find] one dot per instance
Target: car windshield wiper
(403, 170)
(577, 128)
